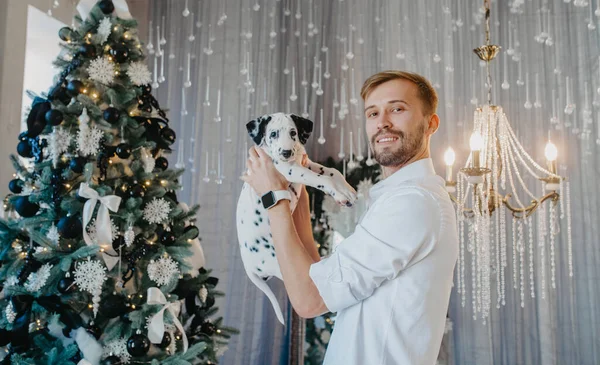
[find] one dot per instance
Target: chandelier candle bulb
(476, 143)
(449, 157)
(551, 153)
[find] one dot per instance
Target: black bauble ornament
(194, 231)
(138, 345)
(118, 242)
(208, 328)
(54, 117)
(87, 50)
(123, 150)
(106, 6)
(168, 135)
(25, 208)
(161, 163)
(112, 306)
(94, 331)
(111, 115)
(15, 186)
(65, 33)
(212, 280)
(137, 191)
(5, 337)
(210, 301)
(119, 52)
(59, 93)
(167, 238)
(66, 285)
(166, 341)
(75, 87)
(69, 226)
(77, 164)
(111, 360)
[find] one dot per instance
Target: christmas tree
(99, 261)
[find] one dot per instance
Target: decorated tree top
(100, 263)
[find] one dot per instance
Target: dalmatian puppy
(282, 137)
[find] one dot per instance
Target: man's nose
(384, 121)
(286, 153)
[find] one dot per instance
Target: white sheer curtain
(252, 53)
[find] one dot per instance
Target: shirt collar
(413, 171)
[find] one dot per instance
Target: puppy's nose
(286, 153)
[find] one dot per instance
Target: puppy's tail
(262, 285)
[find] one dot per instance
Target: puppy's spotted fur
(282, 136)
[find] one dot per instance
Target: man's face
(395, 122)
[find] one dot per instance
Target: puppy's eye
(273, 134)
(293, 133)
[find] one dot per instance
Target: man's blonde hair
(426, 92)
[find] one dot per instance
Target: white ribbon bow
(156, 328)
(103, 224)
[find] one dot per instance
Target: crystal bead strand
(476, 250)
(473, 273)
(503, 259)
(542, 249)
(569, 236)
(562, 199)
(531, 277)
(514, 251)
(521, 248)
(461, 237)
(518, 173)
(552, 235)
(498, 259)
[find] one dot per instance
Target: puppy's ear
(256, 128)
(304, 127)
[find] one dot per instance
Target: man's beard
(408, 146)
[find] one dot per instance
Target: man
(390, 281)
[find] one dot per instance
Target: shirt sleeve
(397, 232)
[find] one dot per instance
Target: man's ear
(304, 126)
(256, 128)
(433, 124)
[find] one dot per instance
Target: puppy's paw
(342, 192)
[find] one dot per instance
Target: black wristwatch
(270, 198)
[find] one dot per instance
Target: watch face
(268, 200)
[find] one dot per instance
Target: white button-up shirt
(390, 281)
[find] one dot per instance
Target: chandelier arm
(530, 209)
(467, 212)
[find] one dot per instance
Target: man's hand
(261, 174)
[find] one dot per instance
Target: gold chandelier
(494, 166)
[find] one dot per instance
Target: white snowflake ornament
(163, 271)
(11, 281)
(52, 234)
(102, 70)
(88, 139)
(139, 74)
(104, 29)
(37, 280)
(58, 143)
(10, 313)
(157, 210)
(90, 276)
(92, 229)
(118, 348)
